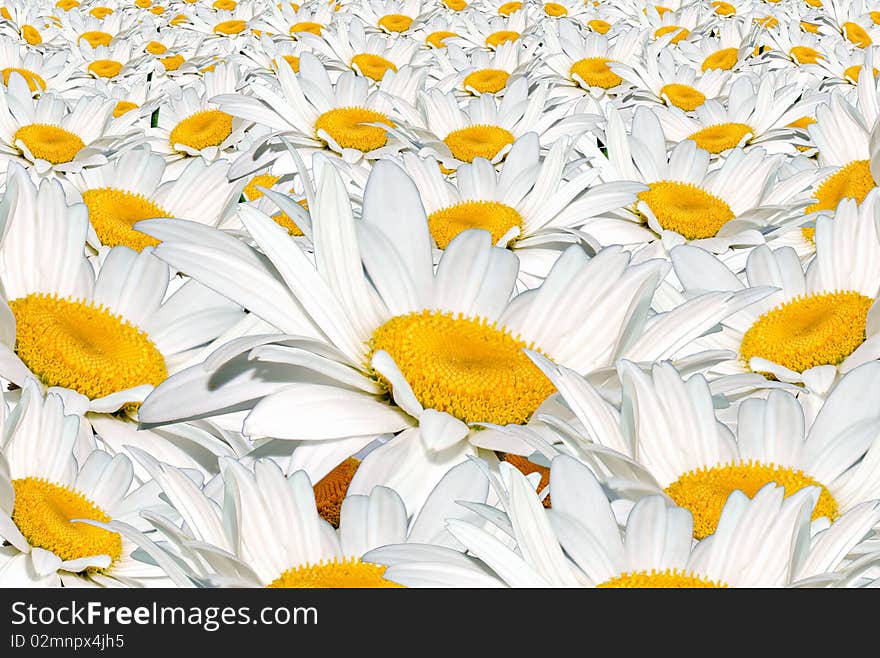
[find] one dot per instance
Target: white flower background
(438, 293)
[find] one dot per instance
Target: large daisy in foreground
(393, 347)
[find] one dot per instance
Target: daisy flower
(51, 496)
(390, 16)
(578, 542)
(135, 186)
(82, 28)
(852, 21)
(486, 31)
(280, 539)
(478, 72)
(25, 21)
(114, 63)
(291, 20)
(313, 113)
(435, 31)
(428, 357)
(731, 50)
(228, 27)
(43, 71)
(818, 322)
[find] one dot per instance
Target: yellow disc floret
(51, 143)
(814, 330)
(113, 214)
(486, 81)
(481, 141)
(332, 489)
(705, 491)
(666, 579)
(687, 209)
(595, 72)
(105, 68)
(497, 218)
(338, 573)
(724, 59)
(721, 136)
(202, 129)
(502, 36)
(395, 22)
(372, 66)
(684, 97)
(84, 347)
(44, 514)
(348, 128)
(466, 367)
(34, 81)
(230, 28)
(853, 181)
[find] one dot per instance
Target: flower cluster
(423, 293)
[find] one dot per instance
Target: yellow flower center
(852, 181)
(284, 220)
(180, 19)
(555, 9)
(122, 107)
(83, 347)
(721, 136)
(814, 330)
(686, 209)
(230, 27)
(705, 491)
(805, 55)
(851, 73)
(202, 129)
(105, 68)
(481, 141)
(723, 8)
(816, 3)
(395, 22)
(436, 38)
(173, 62)
(666, 579)
(347, 126)
(332, 489)
(156, 48)
(95, 39)
(491, 216)
(598, 25)
(67, 5)
(225, 5)
(466, 367)
(487, 81)
(767, 21)
(681, 32)
(143, 4)
(31, 34)
(683, 96)
(526, 467)
(856, 34)
(34, 81)
(455, 5)
(338, 573)
(263, 180)
(293, 60)
(812, 28)
(875, 17)
(44, 514)
(114, 212)
(101, 12)
(508, 8)
(372, 66)
(306, 26)
(51, 143)
(502, 36)
(724, 59)
(595, 72)
(660, 9)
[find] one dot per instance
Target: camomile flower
(578, 542)
(26, 22)
(675, 24)
(842, 66)
(529, 207)
(478, 72)
(191, 124)
(505, 8)
(228, 27)
(757, 111)
(51, 498)
(345, 117)
(347, 46)
(731, 50)
(581, 60)
(660, 80)
(426, 356)
(82, 28)
(261, 56)
(114, 63)
(575, 10)
(280, 539)
(135, 186)
(292, 20)
(667, 441)
(135, 98)
(852, 22)
(102, 333)
(817, 323)
(791, 46)
(716, 209)
(50, 138)
(487, 31)
(486, 127)
(436, 32)
(43, 71)
(390, 16)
